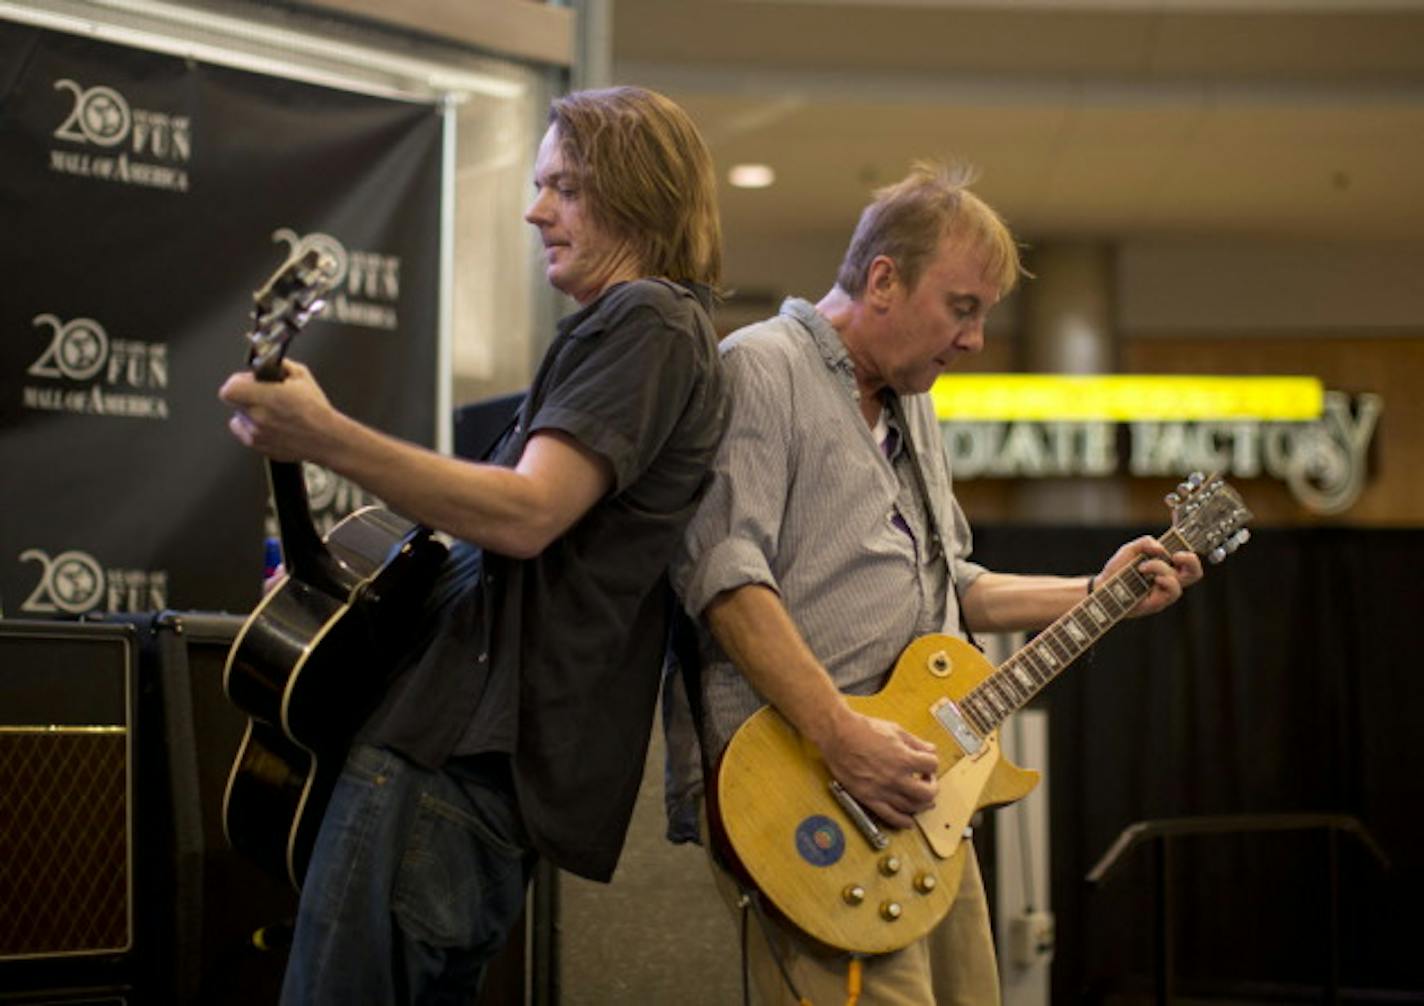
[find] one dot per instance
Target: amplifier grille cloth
(64, 863)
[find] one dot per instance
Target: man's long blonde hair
(648, 177)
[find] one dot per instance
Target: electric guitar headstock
(1209, 516)
(289, 299)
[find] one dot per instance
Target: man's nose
(971, 337)
(538, 211)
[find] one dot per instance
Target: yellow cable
(853, 974)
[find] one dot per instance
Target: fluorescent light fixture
(1126, 397)
(209, 37)
(751, 176)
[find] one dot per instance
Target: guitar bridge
(949, 717)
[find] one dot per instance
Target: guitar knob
(890, 865)
(890, 910)
(853, 894)
(925, 882)
(1216, 555)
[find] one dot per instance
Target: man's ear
(881, 280)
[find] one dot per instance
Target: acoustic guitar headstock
(289, 299)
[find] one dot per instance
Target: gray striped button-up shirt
(804, 501)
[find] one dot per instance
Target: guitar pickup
(949, 717)
(862, 820)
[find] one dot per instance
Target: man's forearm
(514, 511)
(884, 766)
(1008, 602)
(754, 629)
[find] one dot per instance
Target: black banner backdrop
(143, 197)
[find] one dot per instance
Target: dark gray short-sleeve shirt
(557, 658)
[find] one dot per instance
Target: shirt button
(482, 657)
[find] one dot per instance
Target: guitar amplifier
(67, 700)
(199, 902)
(236, 898)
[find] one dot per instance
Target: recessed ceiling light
(751, 176)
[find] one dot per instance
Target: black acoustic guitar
(314, 657)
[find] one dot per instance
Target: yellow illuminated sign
(1126, 397)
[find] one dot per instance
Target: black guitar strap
(482, 426)
(897, 411)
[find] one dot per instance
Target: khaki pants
(953, 966)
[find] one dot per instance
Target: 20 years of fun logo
(106, 138)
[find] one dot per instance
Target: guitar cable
(853, 980)
(751, 903)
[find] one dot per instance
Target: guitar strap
(897, 411)
(493, 418)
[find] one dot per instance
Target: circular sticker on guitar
(819, 840)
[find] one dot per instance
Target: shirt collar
(825, 337)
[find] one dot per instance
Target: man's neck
(847, 316)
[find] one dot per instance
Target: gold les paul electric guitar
(827, 864)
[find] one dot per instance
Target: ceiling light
(751, 176)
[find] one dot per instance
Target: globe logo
(100, 115)
(298, 245)
(78, 349)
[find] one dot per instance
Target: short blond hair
(907, 220)
(648, 175)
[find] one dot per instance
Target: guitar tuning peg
(1172, 500)
(1195, 479)
(1185, 488)
(309, 312)
(1242, 537)
(1216, 556)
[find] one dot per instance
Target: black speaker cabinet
(239, 899)
(117, 884)
(221, 899)
(67, 834)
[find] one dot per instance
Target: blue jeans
(415, 881)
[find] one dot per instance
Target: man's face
(938, 320)
(581, 258)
